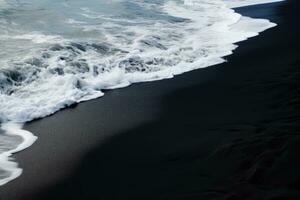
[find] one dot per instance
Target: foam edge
(6, 162)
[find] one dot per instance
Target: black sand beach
(229, 131)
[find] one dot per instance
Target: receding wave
(92, 49)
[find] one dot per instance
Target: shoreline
(5, 158)
(244, 29)
(117, 115)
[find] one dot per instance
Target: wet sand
(229, 131)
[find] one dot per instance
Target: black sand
(225, 132)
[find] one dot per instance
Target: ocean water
(54, 53)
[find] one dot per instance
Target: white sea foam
(11, 168)
(54, 71)
(241, 3)
(35, 37)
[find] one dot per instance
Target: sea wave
(55, 69)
